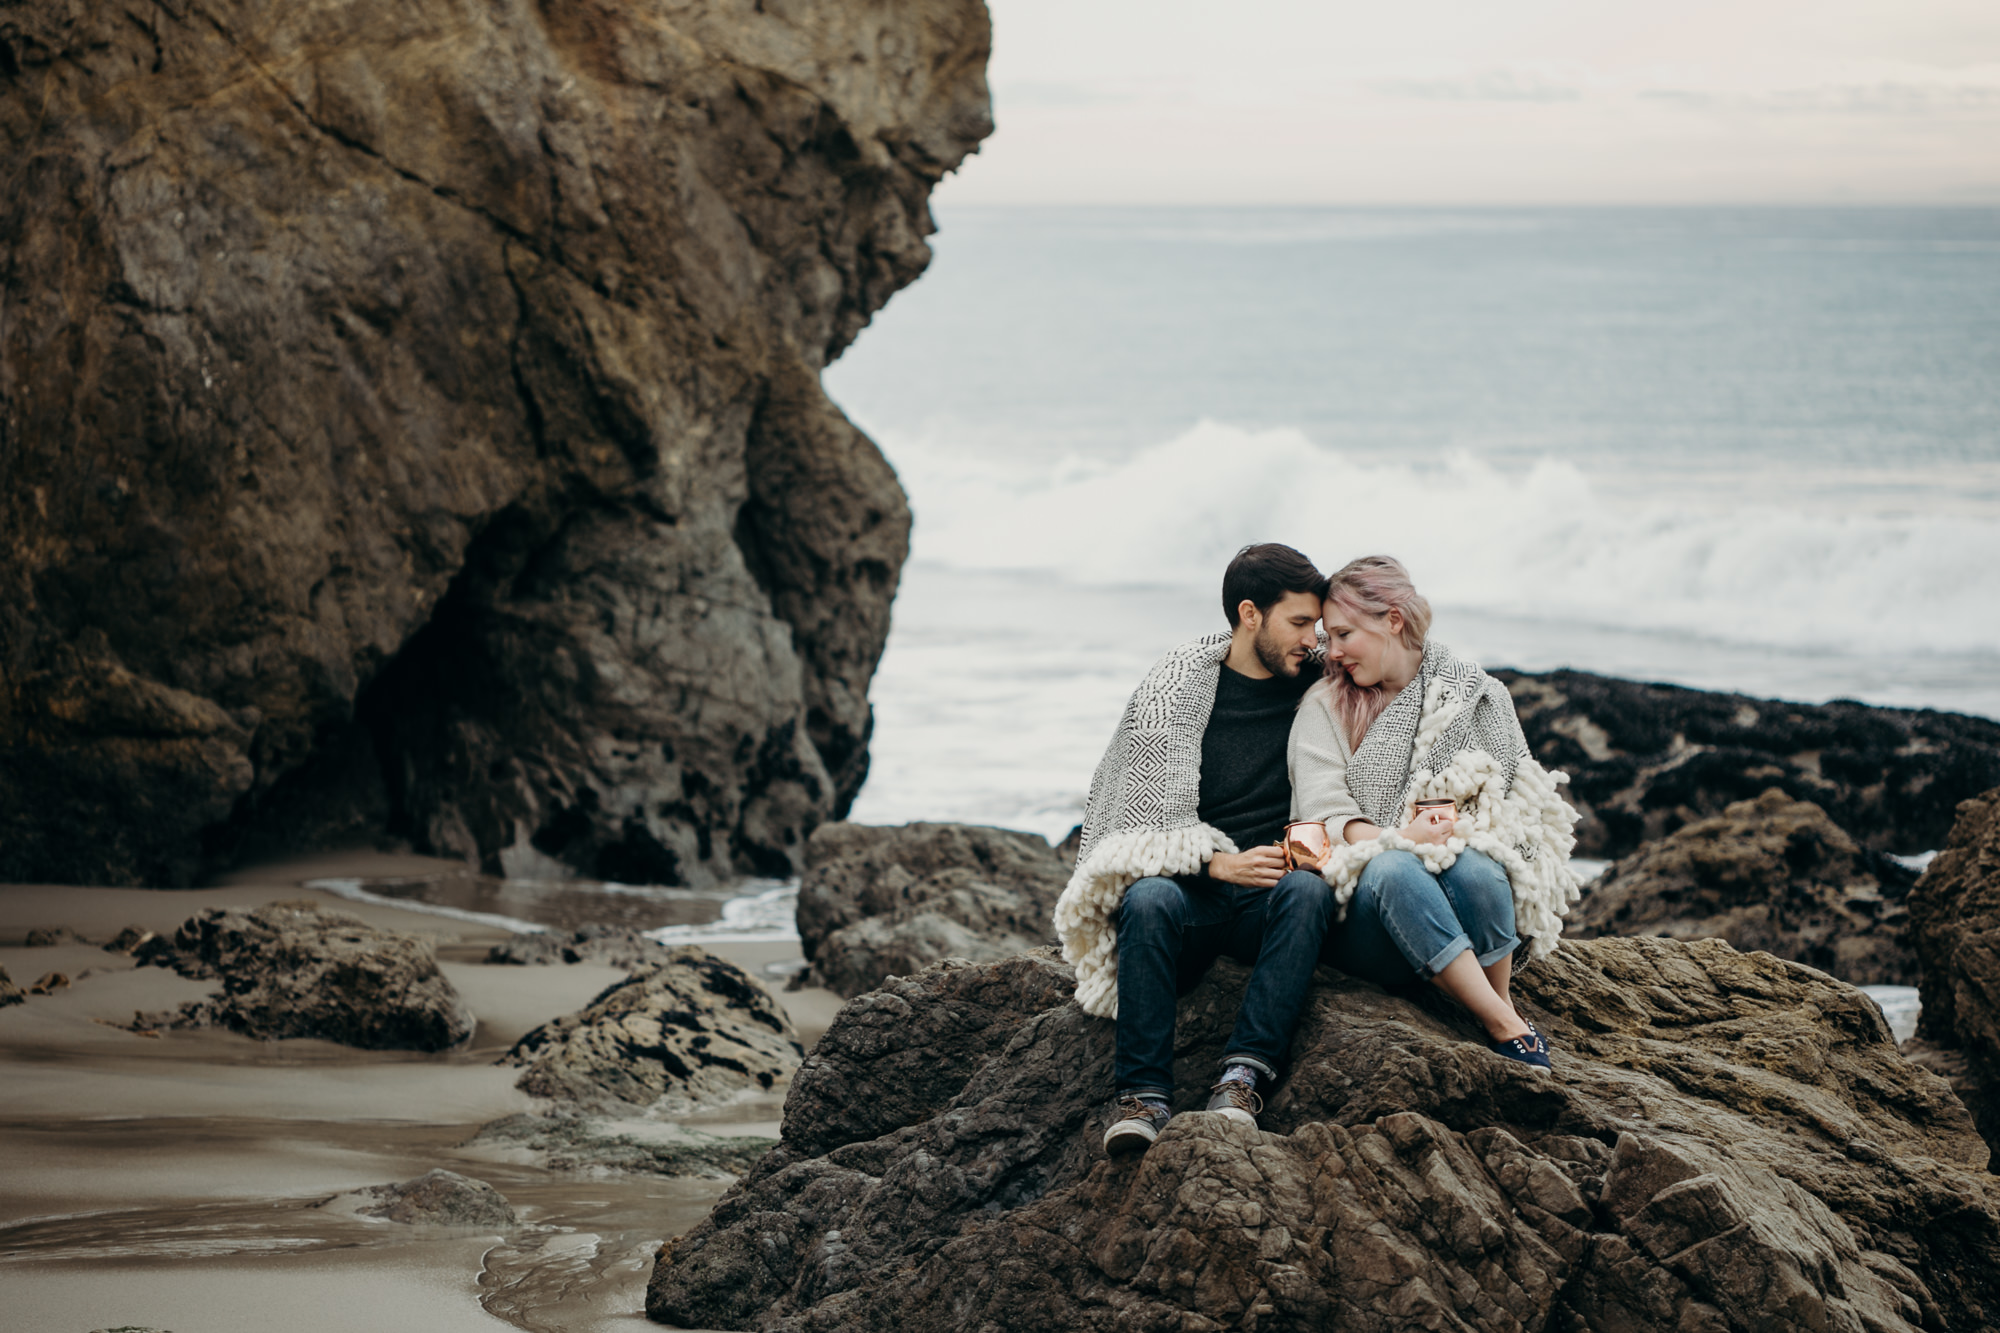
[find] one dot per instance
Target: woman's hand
(1258, 868)
(1430, 826)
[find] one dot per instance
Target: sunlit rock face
(410, 422)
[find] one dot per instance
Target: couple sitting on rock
(1236, 734)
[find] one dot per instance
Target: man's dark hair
(1263, 574)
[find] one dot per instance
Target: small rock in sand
(438, 1198)
(566, 1141)
(129, 939)
(695, 1030)
(50, 983)
(613, 946)
(291, 970)
(47, 937)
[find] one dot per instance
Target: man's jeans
(1170, 935)
(1405, 924)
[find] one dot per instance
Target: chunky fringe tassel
(1087, 911)
(1529, 832)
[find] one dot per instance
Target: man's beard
(1276, 659)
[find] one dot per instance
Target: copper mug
(1429, 803)
(1306, 844)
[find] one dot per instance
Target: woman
(1428, 894)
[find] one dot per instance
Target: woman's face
(1356, 644)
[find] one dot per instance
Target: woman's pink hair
(1369, 589)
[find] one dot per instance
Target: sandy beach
(166, 1182)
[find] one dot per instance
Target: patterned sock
(1243, 1074)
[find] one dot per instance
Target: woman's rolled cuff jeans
(1169, 934)
(1405, 924)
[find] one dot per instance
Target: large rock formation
(877, 902)
(1729, 1141)
(1772, 874)
(1645, 759)
(693, 1031)
(292, 970)
(410, 419)
(1955, 926)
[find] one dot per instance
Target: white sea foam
(1901, 1006)
(1544, 543)
(766, 912)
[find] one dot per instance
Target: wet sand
(164, 1182)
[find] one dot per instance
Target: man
(1179, 862)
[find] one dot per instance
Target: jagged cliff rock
(1729, 1142)
(1645, 759)
(410, 418)
(1772, 874)
(882, 901)
(1955, 926)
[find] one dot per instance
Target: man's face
(1287, 635)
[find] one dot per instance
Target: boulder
(1955, 928)
(9, 992)
(693, 1031)
(293, 970)
(128, 940)
(1773, 874)
(611, 946)
(411, 423)
(877, 902)
(1645, 759)
(438, 1198)
(47, 937)
(1729, 1141)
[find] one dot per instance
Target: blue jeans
(1171, 931)
(1405, 923)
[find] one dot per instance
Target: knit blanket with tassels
(1452, 732)
(1141, 818)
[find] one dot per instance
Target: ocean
(1755, 450)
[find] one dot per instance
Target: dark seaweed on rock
(1730, 1141)
(1645, 759)
(411, 426)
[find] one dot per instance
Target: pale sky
(1491, 102)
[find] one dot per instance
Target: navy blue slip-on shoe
(1530, 1050)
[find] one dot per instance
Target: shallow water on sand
(169, 1182)
(579, 1261)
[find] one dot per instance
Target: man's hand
(1258, 868)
